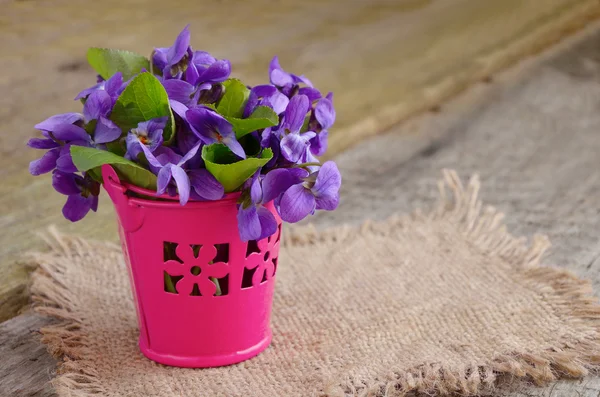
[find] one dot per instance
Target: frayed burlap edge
(483, 227)
(67, 337)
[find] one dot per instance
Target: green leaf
(107, 62)
(233, 101)
(86, 158)
(144, 99)
(262, 117)
(223, 165)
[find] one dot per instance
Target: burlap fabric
(441, 302)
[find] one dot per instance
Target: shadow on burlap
(439, 302)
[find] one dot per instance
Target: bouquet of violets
(178, 124)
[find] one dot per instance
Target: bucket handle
(130, 214)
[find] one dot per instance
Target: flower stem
(216, 282)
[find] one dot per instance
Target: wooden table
(532, 134)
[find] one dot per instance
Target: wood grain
(26, 367)
(384, 59)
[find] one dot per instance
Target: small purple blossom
(113, 86)
(205, 69)
(147, 133)
(168, 166)
(298, 195)
(211, 127)
(97, 108)
(60, 137)
(255, 222)
(67, 129)
(287, 82)
(82, 194)
(173, 61)
(266, 95)
(295, 144)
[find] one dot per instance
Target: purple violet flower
(294, 144)
(284, 80)
(113, 86)
(205, 70)
(59, 154)
(57, 129)
(65, 130)
(98, 107)
(173, 61)
(298, 195)
(255, 222)
(82, 194)
(211, 127)
(147, 133)
(289, 83)
(266, 95)
(168, 165)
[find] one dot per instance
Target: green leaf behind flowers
(226, 168)
(86, 158)
(262, 117)
(144, 99)
(234, 99)
(107, 62)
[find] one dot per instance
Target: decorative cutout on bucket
(261, 260)
(196, 270)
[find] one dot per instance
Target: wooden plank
(26, 367)
(384, 59)
(532, 135)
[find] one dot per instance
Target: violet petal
(44, 164)
(327, 186)
(70, 132)
(99, 103)
(183, 183)
(325, 113)
(293, 146)
(295, 113)
(268, 224)
(277, 181)
(52, 122)
(42, 143)
(77, 207)
(65, 183)
(205, 185)
(106, 131)
(248, 223)
(163, 179)
(296, 204)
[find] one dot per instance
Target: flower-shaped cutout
(264, 261)
(196, 270)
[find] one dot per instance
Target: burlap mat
(441, 302)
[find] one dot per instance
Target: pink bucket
(184, 319)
